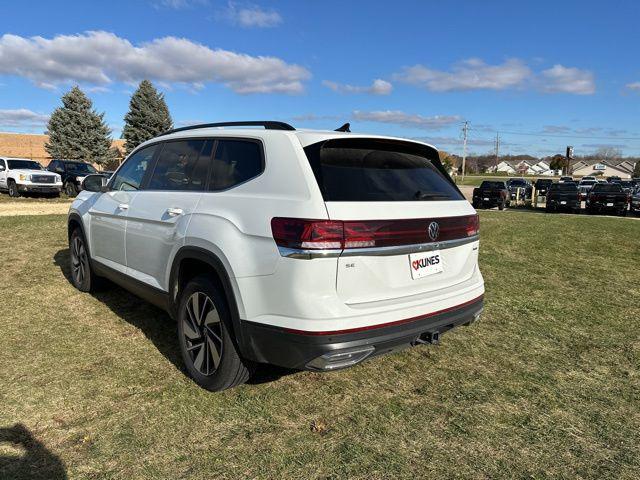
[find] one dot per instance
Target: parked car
(565, 178)
(588, 177)
(21, 175)
(563, 196)
(542, 185)
(627, 186)
(491, 194)
(613, 179)
(73, 172)
(635, 200)
(607, 197)
(513, 184)
(585, 185)
(306, 249)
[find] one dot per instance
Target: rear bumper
(324, 351)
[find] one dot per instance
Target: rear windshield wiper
(420, 195)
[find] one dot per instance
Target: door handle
(174, 212)
(123, 206)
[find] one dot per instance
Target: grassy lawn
(547, 384)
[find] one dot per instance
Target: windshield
(588, 182)
(368, 170)
(518, 182)
(488, 184)
(24, 164)
(80, 167)
(543, 183)
(607, 187)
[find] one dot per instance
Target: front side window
(235, 162)
(182, 165)
(3, 165)
(367, 170)
(130, 175)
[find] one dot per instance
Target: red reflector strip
(389, 324)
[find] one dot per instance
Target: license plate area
(424, 264)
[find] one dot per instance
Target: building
(606, 168)
(28, 145)
(525, 167)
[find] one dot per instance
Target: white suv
(305, 249)
(22, 175)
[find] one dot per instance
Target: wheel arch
(191, 261)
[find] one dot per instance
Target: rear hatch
(408, 231)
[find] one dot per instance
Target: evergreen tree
(77, 132)
(148, 116)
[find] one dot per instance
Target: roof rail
(268, 125)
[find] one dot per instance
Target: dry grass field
(545, 385)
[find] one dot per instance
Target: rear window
(543, 183)
(607, 187)
(564, 187)
(366, 170)
(487, 184)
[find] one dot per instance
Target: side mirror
(94, 183)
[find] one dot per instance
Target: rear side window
(182, 165)
(235, 162)
(366, 170)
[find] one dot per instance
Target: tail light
(327, 234)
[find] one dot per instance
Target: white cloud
(561, 79)
(22, 118)
(633, 86)
(378, 87)
(398, 117)
(250, 16)
(470, 74)
(475, 74)
(178, 4)
(100, 58)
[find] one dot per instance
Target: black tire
(475, 205)
(70, 189)
(208, 349)
(623, 212)
(501, 206)
(13, 189)
(82, 275)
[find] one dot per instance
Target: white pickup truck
(21, 175)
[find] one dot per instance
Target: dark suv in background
(73, 173)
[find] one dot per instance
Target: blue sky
(564, 72)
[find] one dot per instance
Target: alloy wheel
(202, 331)
(79, 260)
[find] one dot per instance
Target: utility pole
(465, 128)
(497, 148)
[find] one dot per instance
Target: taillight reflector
(335, 234)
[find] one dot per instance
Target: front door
(160, 213)
(108, 215)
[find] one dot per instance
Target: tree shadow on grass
(156, 324)
(31, 459)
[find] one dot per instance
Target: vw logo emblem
(434, 231)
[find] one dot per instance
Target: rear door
(408, 229)
(159, 215)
